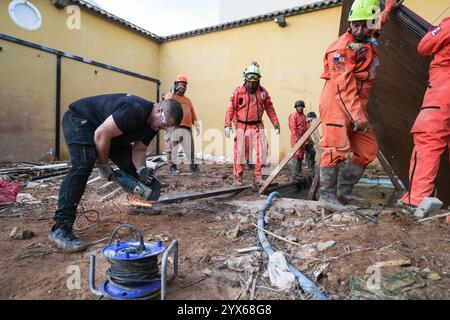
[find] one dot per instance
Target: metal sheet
(398, 93)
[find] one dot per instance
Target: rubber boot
(349, 175)
(328, 187)
(195, 169)
(295, 165)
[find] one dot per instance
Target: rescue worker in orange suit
(248, 103)
(298, 127)
(431, 130)
(348, 142)
(182, 135)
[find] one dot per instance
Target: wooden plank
(388, 169)
(284, 162)
(315, 184)
(199, 195)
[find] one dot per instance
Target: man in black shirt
(114, 126)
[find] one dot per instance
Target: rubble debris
(233, 232)
(21, 235)
(279, 274)
(26, 198)
(305, 252)
(6, 178)
(241, 264)
(323, 246)
(393, 263)
(403, 285)
(247, 250)
(319, 270)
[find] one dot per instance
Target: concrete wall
(28, 85)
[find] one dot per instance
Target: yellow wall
(430, 10)
(290, 59)
(28, 92)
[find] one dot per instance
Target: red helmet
(182, 78)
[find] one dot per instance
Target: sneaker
(66, 240)
(174, 170)
(195, 169)
(237, 183)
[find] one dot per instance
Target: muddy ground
(210, 231)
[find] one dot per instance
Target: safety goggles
(252, 77)
(164, 124)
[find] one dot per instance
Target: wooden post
(284, 162)
(315, 184)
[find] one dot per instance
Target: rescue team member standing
(182, 134)
(298, 127)
(100, 128)
(350, 65)
(248, 103)
(431, 131)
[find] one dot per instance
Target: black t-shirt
(130, 113)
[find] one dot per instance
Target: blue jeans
(79, 137)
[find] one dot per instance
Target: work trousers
(176, 137)
(249, 138)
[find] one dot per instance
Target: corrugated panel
(398, 94)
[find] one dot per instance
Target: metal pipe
(58, 109)
(173, 246)
(308, 286)
(158, 136)
(92, 277)
(75, 57)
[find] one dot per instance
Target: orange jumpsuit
(431, 130)
(248, 110)
(298, 127)
(349, 76)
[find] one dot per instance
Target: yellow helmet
(252, 73)
(364, 10)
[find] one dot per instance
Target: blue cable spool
(134, 272)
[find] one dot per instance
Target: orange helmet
(182, 78)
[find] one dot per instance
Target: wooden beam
(284, 162)
(315, 184)
(389, 171)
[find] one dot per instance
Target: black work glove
(146, 175)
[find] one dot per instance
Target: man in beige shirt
(182, 135)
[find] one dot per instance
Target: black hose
(133, 273)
